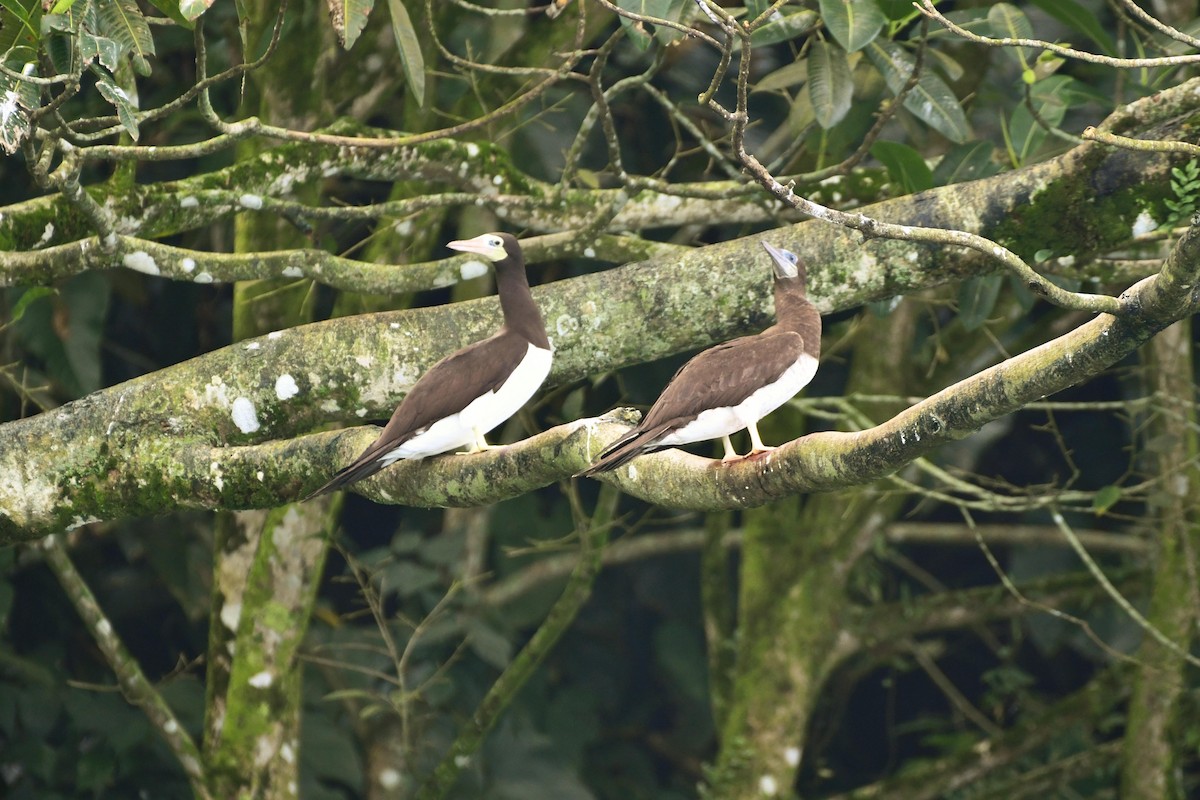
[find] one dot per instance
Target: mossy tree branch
(160, 442)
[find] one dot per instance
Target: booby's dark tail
(633, 444)
(363, 468)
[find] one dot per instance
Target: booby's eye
(791, 257)
(495, 241)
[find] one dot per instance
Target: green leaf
(16, 98)
(829, 83)
(637, 31)
(99, 48)
(122, 102)
(976, 298)
(28, 296)
(930, 100)
(193, 9)
(349, 18)
(968, 161)
(1009, 22)
(1075, 16)
(788, 75)
(23, 15)
(1052, 98)
(122, 21)
(854, 23)
(785, 27)
(905, 166)
(1105, 499)
(410, 50)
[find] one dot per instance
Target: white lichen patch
(404, 227)
(47, 233)
(633, 474)
(472, 269)
(261, 680)
(285, 387)
(364, 361)
(214, 469)
(360, 412)
(203, 277)
(389, 778)
(79, 522)
(188, 265)
(244, 415)
(589, 252)
(141, 261)
(251, 201)
(768, 786)
(253, 345)
(288, 753)
(293, 272)
(1144, 224)
(472, 149)
(188, 202)
(260, 475)
(274, 334)
(461, 761)
(394, 326)
(104, 628)
(231, 615)
(330, 406)
(792, 756)
(497, 180)
(566, 324)
(867, 269)
(215, 393)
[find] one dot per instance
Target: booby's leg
(479, 444)
(730, 453)
(756, 443)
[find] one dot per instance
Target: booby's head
(789, 268)
(495, 247)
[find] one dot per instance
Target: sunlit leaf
(349, 17)
(1009, 22)
(122, 21)
(854, 23)
(829, 83)
(122, 102)
(410, 50)
(192, 9)
(785, 27)
(930, 100)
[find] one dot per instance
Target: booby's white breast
(482, 414)
(714, 423)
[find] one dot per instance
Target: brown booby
(735, 384)
(471, 391)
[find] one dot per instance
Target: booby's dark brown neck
(795, 312)
(521, 314)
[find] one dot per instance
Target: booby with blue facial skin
(471, 391)
(733, 385)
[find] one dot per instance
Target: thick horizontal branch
(55, 468)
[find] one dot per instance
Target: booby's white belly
(717, 422)
(482, 414)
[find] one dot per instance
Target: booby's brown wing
(720, 377)
(447, 388)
